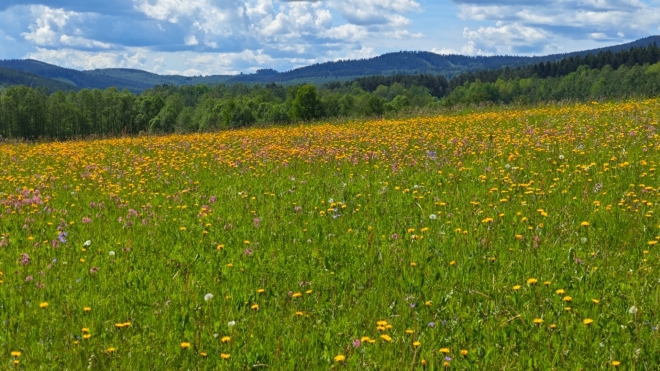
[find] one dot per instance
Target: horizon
(230, 37)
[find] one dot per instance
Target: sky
(210, 37)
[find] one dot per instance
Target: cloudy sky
(194, 37)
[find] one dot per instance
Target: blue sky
(202, 37)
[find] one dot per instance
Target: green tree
(306, 106)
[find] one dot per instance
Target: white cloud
(191, 40)
(90, 60)
(444, 51)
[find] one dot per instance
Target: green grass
(339, 214)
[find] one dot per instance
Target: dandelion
(588, 321)
(15, 354)
(433, 217)
(231, 323)
(632, 310)
(538, 321)
(616, 363)
(464, 352)
(340, 358)
(532, 281)
(516, 287)
(386, 338)
(224, 356)
(208, 297)
(225, 339)
(185, 345)
(43, 305)
(255, 306)
(584, 224)
(416, 344)
(567, 298)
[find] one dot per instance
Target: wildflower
(340, 358)
(616, 363)
(260, 291)
(356, 343)
(547, 283)
(208, 297)
(431, 324)
(185, 345)
(464, 352)
(203, 354)
(632, 310)
(516, 287)
(532, 281)
(538, 321)
(487, 220)
(43, 305)
(444, 350)
(231, 323)
(296, 295)
(88, 243)
(433, 217)
(567, 298)
(584, 224)
(255, 306)
(588, 321)
(416, 344)
(224, 356)
(111, 253)
(428, 303)
(225, 339)
(15, 354)
(595, 301)
(409, 331)
(560, 292)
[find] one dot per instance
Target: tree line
(35, 113)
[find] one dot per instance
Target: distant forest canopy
(398, 63)
(34, 113)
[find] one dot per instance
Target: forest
(33, 113)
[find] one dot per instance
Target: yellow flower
(584, 224)
(616, 363)
(87, 309)
(340, 358)
(246, 242)
(224, 356)
(588, 321)
(651, 243)
(308, 292)
(87, 336)
(444, 350)
(547, 283)
(299, 314)
(254, 307)
(413, 264)
(516, 287)
(15, 354)
(110, 350)
(538, 321)
(385, 337)
(185, 345)
(428, 303)
(560, 292)
(297, 295)
(487, 220)
(532, 281)
(43, 305)
(416, 344)
(365, 338)
(220, 247)
(261, 291)
(409, 331)
(203, 354)
(553, 326)
(452, 263)
(595, 301)
(225, 339)
(381, 323)
(519, 237)
(85, 329)
(567, 298)
(464, 352)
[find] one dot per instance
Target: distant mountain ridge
(39, 73)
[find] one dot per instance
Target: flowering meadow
(502, 238)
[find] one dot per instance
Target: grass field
(505, 239)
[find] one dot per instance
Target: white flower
(632, 310)
(433, 217)
(561, 157)
(231, 323)
(583, 240)
(87, 243)
(208, 297)
(331, 200)
(111, 253)
(507, 166)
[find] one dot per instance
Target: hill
(9, 77)
(404, 62)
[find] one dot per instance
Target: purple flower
(247, 252)
(213, 199)
(28, 278)
(412, 305)
(431, 324)
(395, 236)
(256, 222)
(25, 259)
(447, 358)
(356, 343)
(86, 220)
(62, 237)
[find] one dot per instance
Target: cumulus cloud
(227, 35)
(532, 26)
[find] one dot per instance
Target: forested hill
(407, 63)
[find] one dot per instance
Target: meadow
(504, 238)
